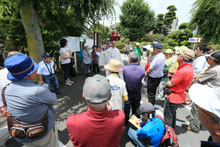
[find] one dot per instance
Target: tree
(159, 24)
(103, 31)
(205, 19)
(181, 36)
(168, 18)
(52, 19)
(164, 22)
(136, 20)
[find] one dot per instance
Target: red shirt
(182, 79)
(96, 129)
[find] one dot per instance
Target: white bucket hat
(206, 97)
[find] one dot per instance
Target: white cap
(206, 97)
(148, 47)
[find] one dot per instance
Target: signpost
(194, 41)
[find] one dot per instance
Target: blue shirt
(133, 75)
(28, 102)
(87, 57)
(154, 130)
(199, 64)
(157, 66)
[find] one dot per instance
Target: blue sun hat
(20, 66)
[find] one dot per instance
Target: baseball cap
(96, 89)
(145, 107)
(158, 46)
(186, 52)
(206, 97)
(45, 55)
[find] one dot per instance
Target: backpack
(169, 138)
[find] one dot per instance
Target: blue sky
(159, 6)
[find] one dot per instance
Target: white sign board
(73, 43)
(194, 40)
(89, 42)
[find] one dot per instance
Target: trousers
(170, 113)
(152, 84)
(133, 102)
(194, 122)
(50, 140)
(54, 81)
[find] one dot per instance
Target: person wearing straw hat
(210, 78)
(207, 100)
(98, 126)
(118, 88)
(178, 85)
(29, 102)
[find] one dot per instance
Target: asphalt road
(70, 101)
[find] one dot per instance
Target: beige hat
(114, 65)
(186, 52)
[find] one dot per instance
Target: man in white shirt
(111, 53)
(4, 135)
(118, 88)
(46, 72)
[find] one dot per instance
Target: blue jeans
(86, 68)
(48, 81)
(139, 142)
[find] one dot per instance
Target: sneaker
(68, 83)
(71, 82)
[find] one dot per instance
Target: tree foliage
(57, 19)
(205, 19)
(164, 22)
(137, 19)
(181, 36)
(103, 31)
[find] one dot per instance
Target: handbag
(20, 129)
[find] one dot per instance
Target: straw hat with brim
(20, 66)
(206, 97)
(114, 66)
(137, 43)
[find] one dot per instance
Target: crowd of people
(169, 75)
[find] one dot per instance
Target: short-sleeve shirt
(64, 61)
(182, 79)
(157, 66)
(168, 64)
(98, 129)
(133, 75)
(199, 64)
(211, 77)
(29, 102)
(154, 130)
(3, 82)
(138, 50)
(118, 90)
(43, 70)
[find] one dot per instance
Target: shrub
(120, 45)
(172, 42)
